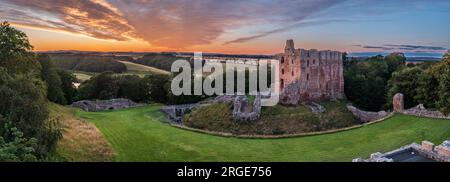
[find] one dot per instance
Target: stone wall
(421, 111)
(310, 75)
(101, 105)
(418, 110)
(366, 116)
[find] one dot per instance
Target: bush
(14, 146)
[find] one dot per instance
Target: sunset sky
(417, 27)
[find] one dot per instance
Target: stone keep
(310, 75)
(397, 102)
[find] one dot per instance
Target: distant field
(142, 68)
(82, 76)
(139, 135)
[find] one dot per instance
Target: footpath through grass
(139, 135)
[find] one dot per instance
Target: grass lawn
(138, 135)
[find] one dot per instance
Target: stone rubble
(243, 110)
(102, 105)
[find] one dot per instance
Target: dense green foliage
(139, 134)
(151, 88)
(67, 80)
(404, 81)
(274, 120)
(15, 51)
(23, 101)
(365, 84)
(52, 79)
(14, 146)
(426, 84)
(160, 60)
(368, 82)
(88, 63)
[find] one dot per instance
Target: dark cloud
(405, 47)
(85, 17)
(415, 47)
(169, 23)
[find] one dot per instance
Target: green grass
(142, 68)
(82, 76)
(138, 135)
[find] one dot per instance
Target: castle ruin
(310, 75)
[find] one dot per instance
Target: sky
(415, 27)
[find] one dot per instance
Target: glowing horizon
(415, 27)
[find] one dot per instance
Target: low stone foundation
(102, 105)
(421, 111)
(366, 116)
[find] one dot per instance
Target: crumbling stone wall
(366, 116)
(421, 111)
(310, 75)
(176, 112)
(418, 110)
(244, 111)
(101, 105)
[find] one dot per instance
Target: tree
(441, 71)
(404, 81)
(426, 90)
(15, 51)
(154, 86)
(67, 80)
(52, 79)
(103, 86)
(395, 61)
(365, 84)
(130, 87)
(24, 104)
(23, 100)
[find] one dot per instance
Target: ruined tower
(310, 75)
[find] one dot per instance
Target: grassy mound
(81, 141)
(275, 120)
(139, 135)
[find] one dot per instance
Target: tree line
(27, 133)
(371, 84)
